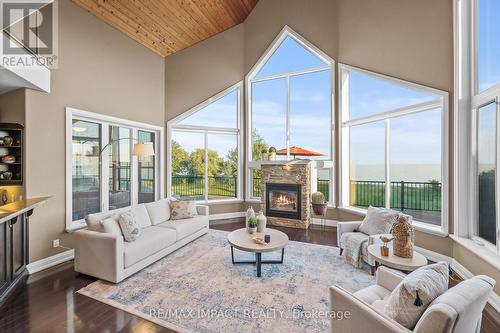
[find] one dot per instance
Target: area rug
(198, 289)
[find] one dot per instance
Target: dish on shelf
(9, 159)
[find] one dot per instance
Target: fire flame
(284, 200)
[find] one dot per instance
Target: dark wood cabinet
(13, 252)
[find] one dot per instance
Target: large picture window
(290, 109)
(204, 150)
(393, 142)
(106, 179)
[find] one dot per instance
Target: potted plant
(272, 153)
(252, 225)
(265, 154)
(319, 204)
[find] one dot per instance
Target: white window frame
(467, 103)
(173, 125)
(105, 122)
(441, 101)
(250, 78)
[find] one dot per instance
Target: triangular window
(369, 95)
(221, 113)
(290, 56)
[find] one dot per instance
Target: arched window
(290, 103)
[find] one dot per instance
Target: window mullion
(288, 117)
(206, 166)
(104, 159)
(497, 185)
(134, 172)
(388, 163)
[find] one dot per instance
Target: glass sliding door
(146, 190)
(486, 168)
(86, 185)
(120, 160)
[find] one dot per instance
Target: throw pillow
(130, 226)
(141, 215)
(409, 300)
(378, 221)
(182, 209)
(111, 225)
(159, 211)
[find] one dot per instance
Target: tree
(258, 145)
(230, 164)
(196, 165)
(179, 159)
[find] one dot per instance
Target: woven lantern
(404, 237)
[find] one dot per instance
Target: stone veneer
(295, 172)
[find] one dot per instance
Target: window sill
(219, 202)
(419, 226)
(252, 201)
(490, 256)
(76, 225)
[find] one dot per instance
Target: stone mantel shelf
(9, 211)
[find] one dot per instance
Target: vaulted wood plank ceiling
(168, 26)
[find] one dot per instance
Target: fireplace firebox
(283, 200)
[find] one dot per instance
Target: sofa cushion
(141, 215)
(378, 221)
(186, 227)
(372, 294)
(159, 211)
(111, 225)
(94, 220)
(417, 290)
(180, 210)
(152, 240)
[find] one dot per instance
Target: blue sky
(488, 43)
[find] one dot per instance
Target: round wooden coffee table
(242, 240)
(392, 261)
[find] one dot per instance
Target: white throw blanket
(353, 243)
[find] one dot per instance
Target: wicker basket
(404, 237)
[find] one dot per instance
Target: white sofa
(458, 310)
(109, 257)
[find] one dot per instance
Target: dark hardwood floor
(48, 302)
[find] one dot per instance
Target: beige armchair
(344, 228)
(458, 310)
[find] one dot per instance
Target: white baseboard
(223, 216)
(51, 261)
(494, 299)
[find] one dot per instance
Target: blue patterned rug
(198, 289)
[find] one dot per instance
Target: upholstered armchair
(458, 310)
(343, 228)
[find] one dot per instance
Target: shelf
(16, 163)
(4, 182)
(10, 146)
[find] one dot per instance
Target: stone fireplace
(286, 193)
